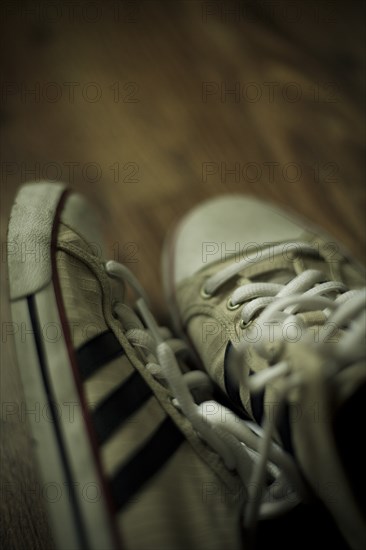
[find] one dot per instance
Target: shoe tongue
(282, 277)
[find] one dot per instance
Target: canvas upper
(226, 265)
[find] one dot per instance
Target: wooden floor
(149, 108)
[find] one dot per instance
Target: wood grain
(146, 107)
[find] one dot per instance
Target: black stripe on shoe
(231, 384)
(98, 351)
(257, 403)
(146, 462)
(119, 405)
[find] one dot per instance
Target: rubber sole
(70, 475)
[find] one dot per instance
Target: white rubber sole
(70, 478)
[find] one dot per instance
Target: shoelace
(234, 440)
(278, 306)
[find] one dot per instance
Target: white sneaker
(123, 466)
(276, 316)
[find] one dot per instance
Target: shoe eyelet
(231, 306)
(243, 325)
(174, 401)
(205, 295)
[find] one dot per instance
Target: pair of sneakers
(241, 427)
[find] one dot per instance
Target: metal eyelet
(243, 325)
(231, 306)
(205, 295)
(174, 401)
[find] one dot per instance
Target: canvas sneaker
(120, 438)
(275, 313)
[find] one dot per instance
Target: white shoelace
(235, 440)
(277, 306)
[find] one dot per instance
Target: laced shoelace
(234, 440)
(279, 306)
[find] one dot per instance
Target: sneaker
(275, 314)
(125, 459)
